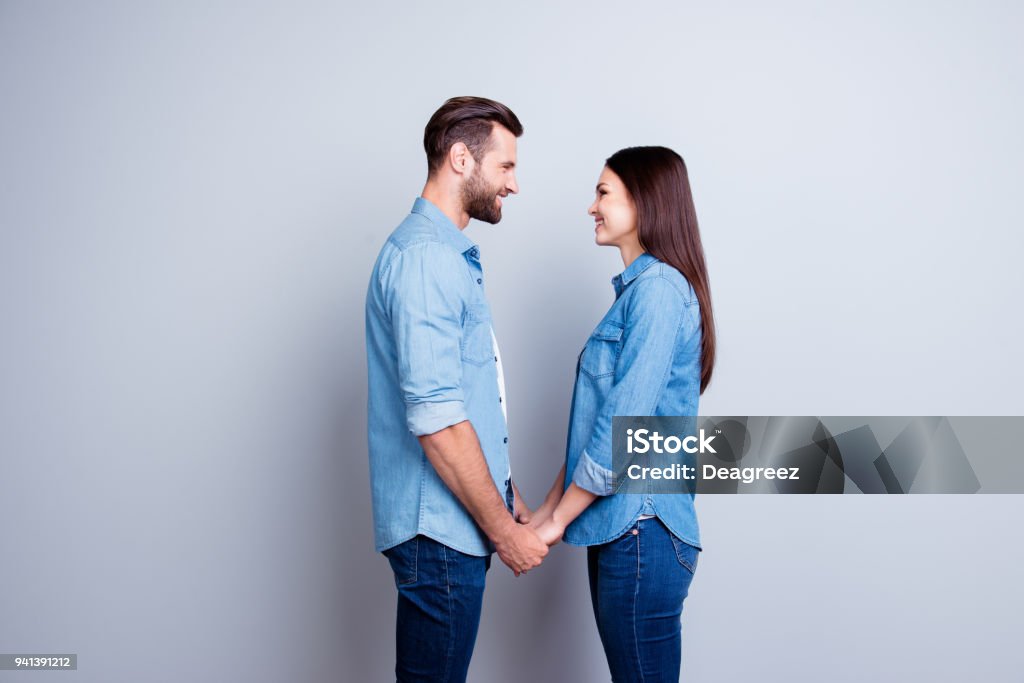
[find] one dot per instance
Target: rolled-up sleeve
(424, 294)
(590, 476)
(655, 317)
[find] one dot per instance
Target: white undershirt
(501, 390)
(501, 377)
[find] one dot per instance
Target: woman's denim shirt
(642, 359)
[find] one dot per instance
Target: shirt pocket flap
(478, 312)
(602, 350)
(608, 332)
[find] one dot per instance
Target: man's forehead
(503, 145)
(504, 137)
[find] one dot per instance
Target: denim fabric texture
(440, 593)
(638, 583)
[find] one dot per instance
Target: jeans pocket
(686, 554)
(403, 559)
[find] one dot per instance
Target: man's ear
(459, 158)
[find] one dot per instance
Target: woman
(651, 354)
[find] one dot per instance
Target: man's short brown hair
(468, 120)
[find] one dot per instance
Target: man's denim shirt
(642, 359)
(431, 364)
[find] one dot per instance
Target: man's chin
(491, 218)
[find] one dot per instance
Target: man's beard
(478, 200)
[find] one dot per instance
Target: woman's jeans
(440, 592)
(637, 585)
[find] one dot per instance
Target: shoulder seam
(427, 240)
(683, 294)
(661, 276)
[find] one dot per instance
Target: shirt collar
(450, 234)
(639, 265)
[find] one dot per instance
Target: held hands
(559, 510)
(550, 532)
(520, 548)
(525, 542)
(547, 520)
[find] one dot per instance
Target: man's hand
(522, 514)
(520, 548)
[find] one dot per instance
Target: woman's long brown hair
(658, 183)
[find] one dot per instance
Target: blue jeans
(440, 592)
(637, 586)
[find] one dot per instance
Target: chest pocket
(602, 350)
(477, 346)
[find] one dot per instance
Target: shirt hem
(387, 545)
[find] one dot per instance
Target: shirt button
(636, 531)
(499, 399)
(479, 281)
(495, 359)
(506, 439)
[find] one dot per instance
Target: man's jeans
(637, 586)
(440, 592)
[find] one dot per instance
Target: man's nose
(512, 186)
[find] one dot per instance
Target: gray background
(191, 198)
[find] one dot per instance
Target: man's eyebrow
(509, 164)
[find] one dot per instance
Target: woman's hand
(541, 515)
(566, 508)
(550, 531)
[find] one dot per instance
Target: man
(443, 498)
